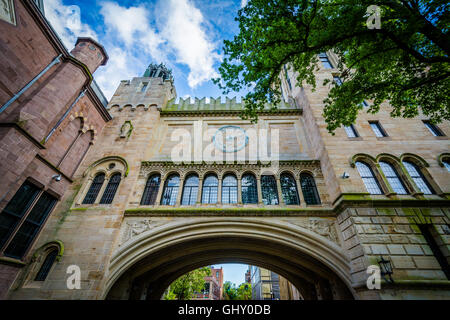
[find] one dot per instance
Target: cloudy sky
(186, 35)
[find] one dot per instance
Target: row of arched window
(229, 190)
(395, 181)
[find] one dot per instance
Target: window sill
(384, 138)
(12, 261)
(355, 139)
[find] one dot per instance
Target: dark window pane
(15, 209)
(151, 190)
(171, 186)
(325, 61)
(190, 191)
(210, 189)
(269, 190)
(229, 189)
(433, 129)
(249, 189)
(376, 127)
(309, 189)
(30, 227)
(111, 189)
(289, 189)
(96, 185)
(46, 265)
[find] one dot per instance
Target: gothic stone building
(172, 185)
(51, 112)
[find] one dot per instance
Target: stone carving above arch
(134, 228)
(102, 164)
(126, 129)
(323, 227)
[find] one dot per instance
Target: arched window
(446, 164)
(151, 190)
(418, 177)
(309, 189)
(229, 189)
(392, 177)
(249, 189)
(46, 265)
(289, 189)
(190, 190)
(210, 189)
(269, 190)
(169, 197)
(368, 178)
(111, 188)
(96, 185)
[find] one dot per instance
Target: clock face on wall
(230, 139)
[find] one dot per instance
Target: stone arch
(208, 172)
(419, 161)
(443, 157)
(171, 172)
(294, 252)
(110, 159)
(364, 158)
(373, 165)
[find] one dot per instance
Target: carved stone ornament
(323, 227)
(7, 11)
(135, 228)
(125, 130)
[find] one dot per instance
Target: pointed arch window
(111, 189)
(418, 177)
(210, 189)
(392, 177)
(46, 265)
(94, 189)
(171, 186)
(190, 190)
(229, 189)
(269, 190)
(289, 189)
(309, 189)
(249, 189)
(368, 178)
(151, 190)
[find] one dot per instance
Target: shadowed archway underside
(149, 277)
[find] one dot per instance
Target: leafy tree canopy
(185, 286)
(229, 291)
(244, 292)
(405, 62)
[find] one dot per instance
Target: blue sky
(186, 35)
(233, 272)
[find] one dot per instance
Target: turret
(90, 52)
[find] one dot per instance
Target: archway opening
(149, 277)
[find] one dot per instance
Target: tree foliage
(244, 292)
(405, 62)
(185, 286)
(229, 291)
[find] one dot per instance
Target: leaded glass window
(15, 209)
(249, 189)
(368, 178)
(151, 190)
(289, 189)
(392, 177)
(31, 226)
(325, 61)
(210, 189)
(229, 189)
(111, 189)
(46, 265)
(190, 190)
(269, 190)
(376, 127)
(351, 132)
(435, 131)
(418, 178)
(309, 189)
(171, 186)
(94, 189)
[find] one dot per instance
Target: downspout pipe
(65, 115)
(18, 94)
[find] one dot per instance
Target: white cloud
(186, 35)
(243, 3)
(66, 20)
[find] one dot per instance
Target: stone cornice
(171, 164)
(224, 113)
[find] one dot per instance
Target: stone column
(300, 195)
(280, 195)
(68, 149)
(180, 192)
(239, 190)
(84, 191)
(102, 190)
(160, 191)
(219, 191)
(199, 193)
(258, 187)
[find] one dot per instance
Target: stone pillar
(84, 191)
(68, 149)
(280, 195)
(160, 191)
(102, 190)
(180, 192)
(300, 195)
(258, 187)
(219, 191)
(199, 193)
(239, 190)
